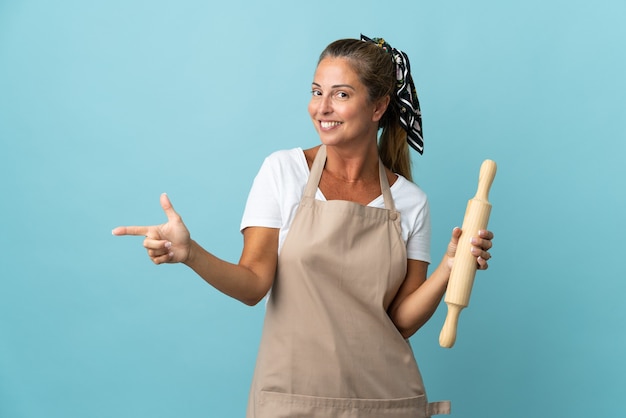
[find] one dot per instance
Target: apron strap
(438, 408)
(384, 187)
(316, 173)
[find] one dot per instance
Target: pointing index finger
(130, 230)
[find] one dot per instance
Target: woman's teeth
(327, 125)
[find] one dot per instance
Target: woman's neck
(353, 165)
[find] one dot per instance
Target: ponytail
(394, 150)
(393, 147)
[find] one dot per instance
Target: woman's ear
(380, 108)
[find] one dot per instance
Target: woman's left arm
(418, 298)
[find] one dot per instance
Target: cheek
(311, 109)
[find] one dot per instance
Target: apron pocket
(284, 405)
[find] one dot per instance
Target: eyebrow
(336, 86)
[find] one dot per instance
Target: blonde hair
(377, 71)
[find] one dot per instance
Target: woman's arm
(248, 281)
(418, 298)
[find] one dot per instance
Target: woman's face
(340, 108)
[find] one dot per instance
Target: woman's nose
(325, 105)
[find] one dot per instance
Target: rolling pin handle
(447, 337)
(485, 179)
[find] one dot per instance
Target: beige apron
(328, 348)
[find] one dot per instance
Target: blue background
(106, 104)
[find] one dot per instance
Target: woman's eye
(342, 95)
(316, 93)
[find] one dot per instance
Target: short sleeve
(418, 242)
(263, 203)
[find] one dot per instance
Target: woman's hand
(166, 243)
(480, 246)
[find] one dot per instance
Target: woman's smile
(328, 125)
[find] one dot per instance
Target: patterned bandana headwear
(410, 114)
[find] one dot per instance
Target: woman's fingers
(480, 245)
(131, 230)
(454, 241)
(485, 234)
(483, 240)
(485, 255)
(482, 263)
(156, 244)
(168, 208)
(159, 257)
(481, 257)
(158, 250)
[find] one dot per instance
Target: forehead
(335, 70)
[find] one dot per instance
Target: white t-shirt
(279, 185)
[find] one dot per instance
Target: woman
(341, 237)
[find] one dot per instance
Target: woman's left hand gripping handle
(166, 243)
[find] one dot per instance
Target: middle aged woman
(340, 238)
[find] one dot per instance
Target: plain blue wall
(106, 104)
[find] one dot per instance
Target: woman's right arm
(248, 281)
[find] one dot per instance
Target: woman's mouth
(328, 125)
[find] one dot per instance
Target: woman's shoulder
(286, 157)
(408, 189)
(286, 165)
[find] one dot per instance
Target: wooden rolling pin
(464, 267)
